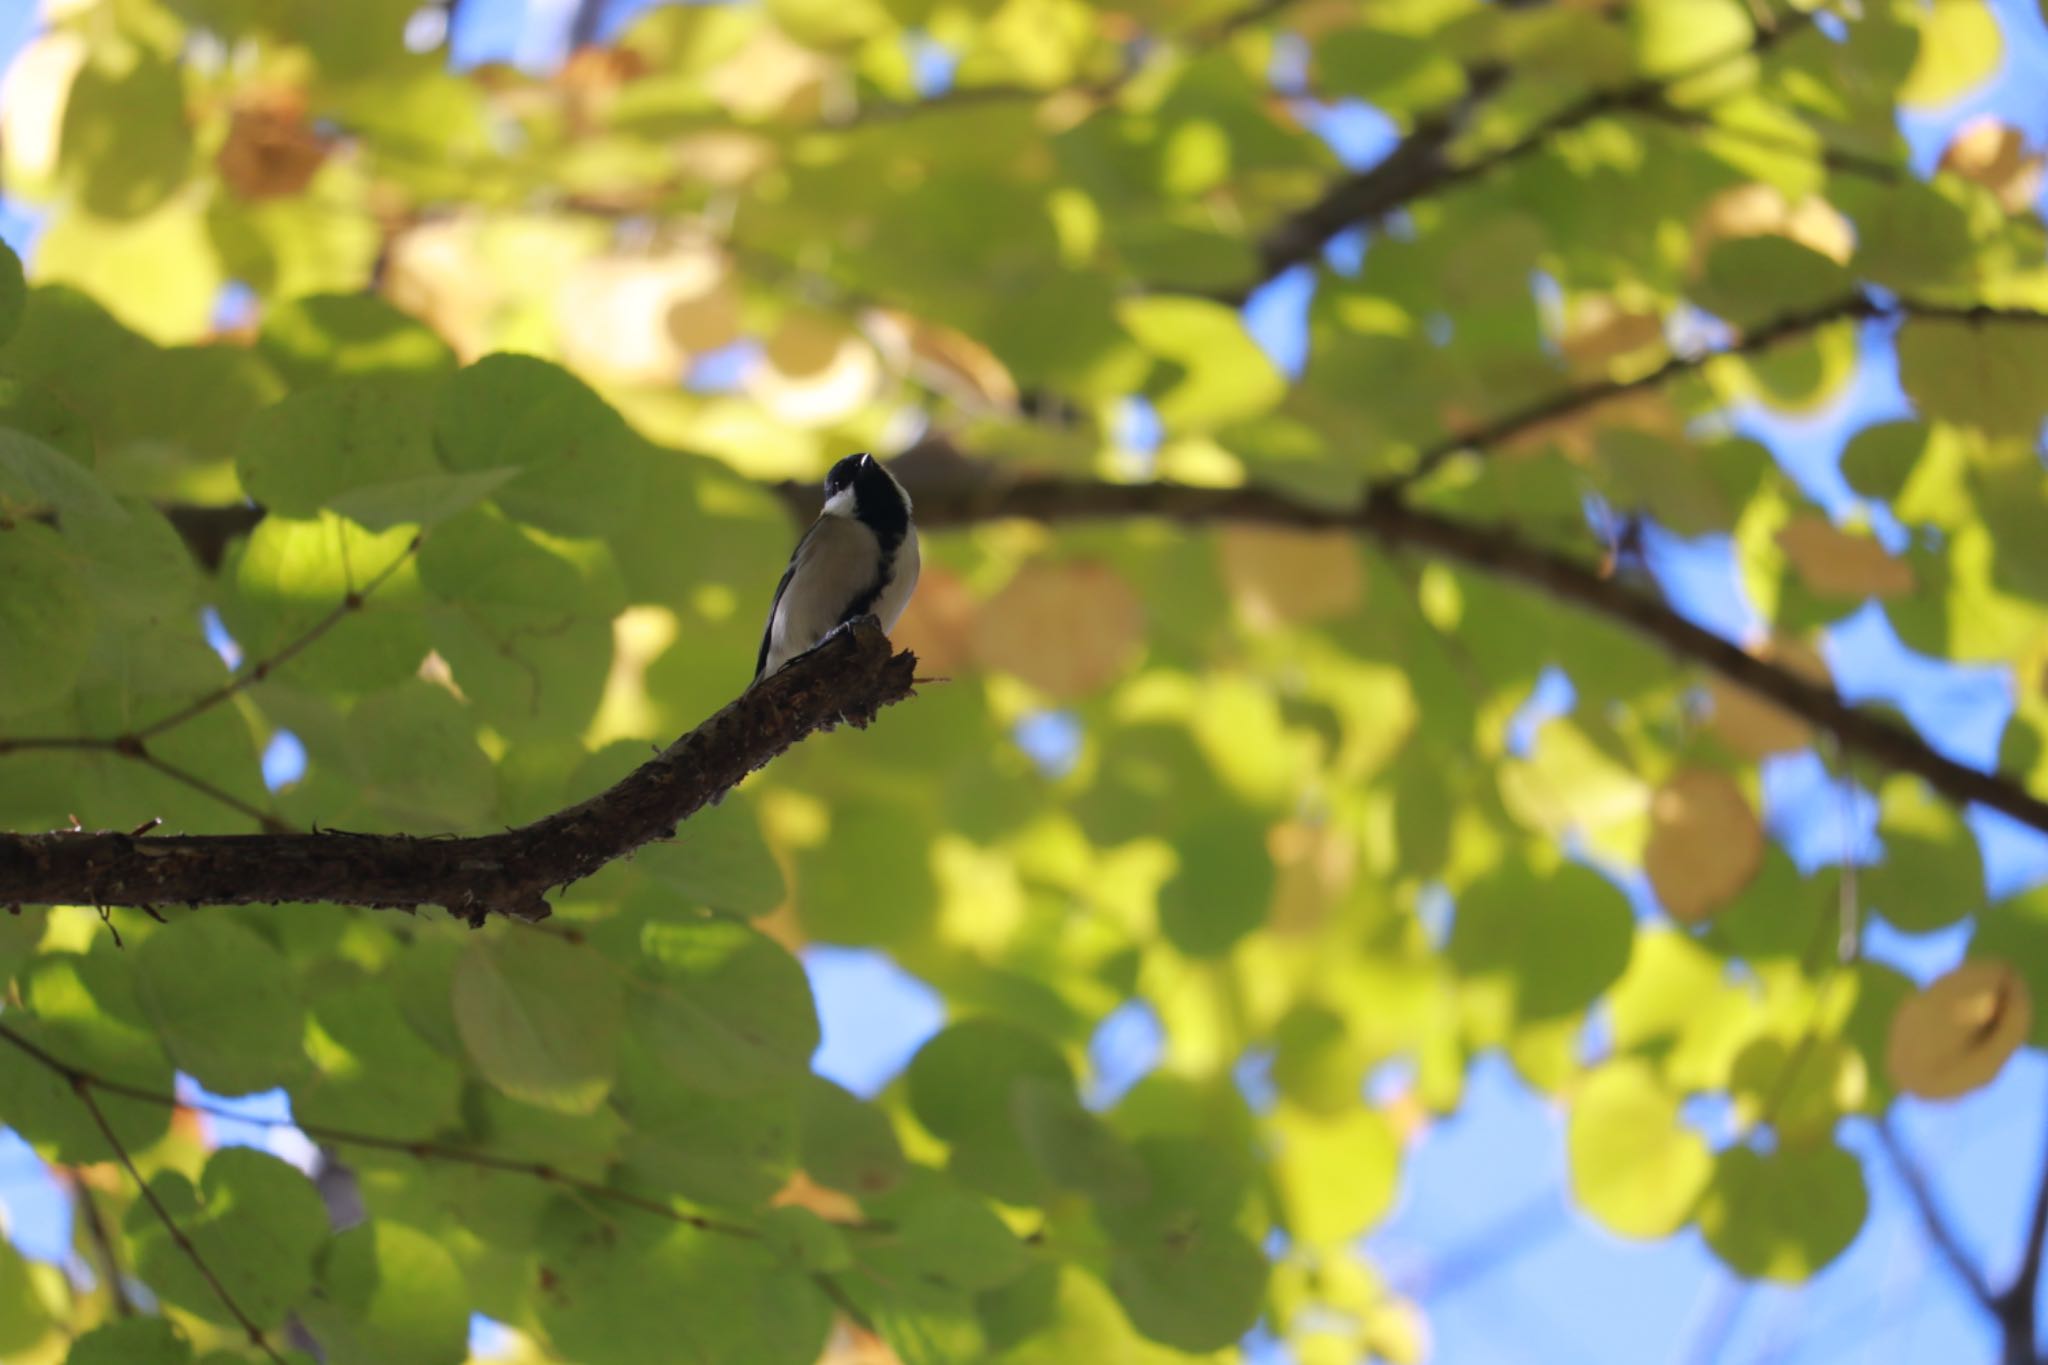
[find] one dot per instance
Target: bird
(858, 559)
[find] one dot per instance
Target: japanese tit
(858, 558)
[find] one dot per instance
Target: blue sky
(1484, 1234)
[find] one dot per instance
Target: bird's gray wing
(834, 564)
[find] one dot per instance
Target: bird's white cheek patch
(840, 504)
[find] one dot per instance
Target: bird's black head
(871, 494)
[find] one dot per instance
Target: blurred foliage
(508, 357)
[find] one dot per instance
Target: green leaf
(332, 336)
(1223, 887)
(35, 477)
(1880, 459)
(963, 1086)
(423, 501)
(131, 1341)
(875, 842)
(1392, 71)
(847, 1143)
(1073, 1147)
(82, 1011)
(299, 455)
(224, 1002)
(1800, 1089)
(13, 292)
(942, 1236)
(803, 1239)
(540, 1018)
(1751, 280)
(610, 1292)
(722, 1151)
(372, 1073)
(414, 750)
(1932, 874)
(1196, 1290)
(1315, 1063)
(46, 618)
(1336, 1176)
(1783, 1215)
(578, 462)
(254, 1221)
(1960, 45)
(1976, 374)
(389, 1295)
(1675, 36)
(719, 859)
(24, 1316)
(1634, 1165)
(127, 143)
(1536, 945)
(292, 575)
(1214, 372)
(725, 1009)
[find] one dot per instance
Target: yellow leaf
(1754, 726)
(1067, 629)
(641, 318)
(1955, 1036)
(1959, 49)
(1278, 576)
(1705, 843)
(816, 371)
(1837, 563)
(1994, 154)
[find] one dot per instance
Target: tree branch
(1932, 1218)
(103, 1242)
(82, 1084)
(1419, 166)
(952, 497)
(849, 678)
(2015, 1304)
(1569, 402)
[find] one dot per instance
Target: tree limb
(1939, 1230)
(2015, 1304)
(1419, 166)
(850, 677)
(82, 1084)
(955, 499)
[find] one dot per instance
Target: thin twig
(1939, 1230)
(351, 601)
(1418, 167)
(82, 1085)
(269, 823)
(110, 1261)
(85, 1081)
(2016, 1302)
(1569, 402)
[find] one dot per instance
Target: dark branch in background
(134, 745)
(1939, 1231)
(96, 1229)
(82, 1085)
(1419, 165)
(1568, 402)
(351, 601)
(2015, 1304)
(84, 1081)
(1499, 552)
(849, 678)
